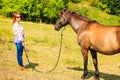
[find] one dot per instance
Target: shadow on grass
(33, 66)
(104, 76)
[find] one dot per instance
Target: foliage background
(48, 10)
(42, 41)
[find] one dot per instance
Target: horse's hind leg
(95, 62)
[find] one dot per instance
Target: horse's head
(62, 21)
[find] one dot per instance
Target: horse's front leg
(95, 62)
(85, 57)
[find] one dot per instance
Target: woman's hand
(23, 44)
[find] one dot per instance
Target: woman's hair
(14, 17)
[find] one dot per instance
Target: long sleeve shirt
(18, 31)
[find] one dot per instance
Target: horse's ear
(61, 12)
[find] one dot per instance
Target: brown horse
(92, 36)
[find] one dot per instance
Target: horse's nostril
(56, 28)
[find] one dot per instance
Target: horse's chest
(84, 39)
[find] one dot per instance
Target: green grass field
(42, 45)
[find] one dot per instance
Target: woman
(18, 31)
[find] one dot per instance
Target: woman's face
(18, 18)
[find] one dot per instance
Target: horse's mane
(78, 15)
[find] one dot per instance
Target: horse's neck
(77, 24)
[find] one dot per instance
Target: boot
(21, 68)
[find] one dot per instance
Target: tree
(34, 10)
(0, 4)
(52, 9)
(113, 6)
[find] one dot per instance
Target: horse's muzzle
(56, 28)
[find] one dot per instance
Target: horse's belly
(106, 43)
(112, 49)
(109, 52)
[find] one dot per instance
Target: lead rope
(57, 58)
(59, 52)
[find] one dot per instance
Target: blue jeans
(19, 53)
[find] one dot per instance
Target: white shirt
(18, 31)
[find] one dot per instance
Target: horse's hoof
(96, 78)
(84, 77)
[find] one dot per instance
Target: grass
(42, 45)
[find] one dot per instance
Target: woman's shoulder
(15, 24)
